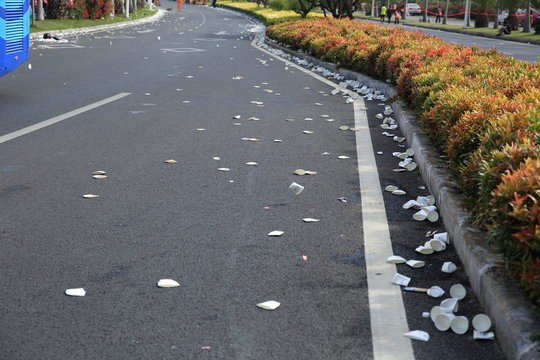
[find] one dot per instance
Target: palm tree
(482, 8)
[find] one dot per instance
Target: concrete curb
(88, 30)
(514, 317)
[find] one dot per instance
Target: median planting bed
(481, 109)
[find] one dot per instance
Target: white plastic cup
(409, 204)
(481, 323)
(296, 188)
(416, 263)
(437, 245)
(433, 216)
(449, 267)
(443, 321)
(402, 280)
(459, 325)
(450, 304)
(435, 292)
(424, 250)
(423, 201)
(420, 215)
(442, 237)
(458, 291)
(477, 335)
(436, 311)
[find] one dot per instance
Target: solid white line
(59, 118)
(387, 312)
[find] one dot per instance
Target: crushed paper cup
(481, 323)
(269, 305)
(442, 237)
(417, 335)
(443, 321)
(435, 292)
(450, 304)
(409, 204)
(402, 280)
(416, 263)
(399, 192)
(395, 259)
(437, 245)
(449, 267)
(458, 291)
(296, 188)
(75, 292)
(425, 250)
(477, 335)
(391, 188)
(420, 215)
(459, 325)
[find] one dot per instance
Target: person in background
(506, 29)
(389, 13)
(439, 15)
(397, 16)
(179, 4)
(382, 14)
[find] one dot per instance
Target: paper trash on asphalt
(99, 176)
(276, 233)
(237, 117)
(435, 292)
(417, 335)
(296, 188)
(395, 259)
(251, 163)
(400, 279)
(310, 220)
(167, 283)
(300, 172)
(224, 169)
(99, 172)
(171, 161)
(416, 263)
(75, 292)
(308, 132)
(269, 305)
(399, 192)
(343, 157)
(90, 196)
(344, 127)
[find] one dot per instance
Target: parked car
(521, 16)
(413, 9)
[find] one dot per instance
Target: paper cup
(433, 216)
(395, 259)
(409, 204)
(422, 201)
(449, 267)
(401, 279)
(481, 323)
(417, 335)
(450, 304)
(409, 152)
(420, 215)
(458, 291)
(415, 263)
(443, 321)
(296, 188)
(442, 237)
(459, 325)
(411, 166)
(435, 292)
(425, 250)
(437, 245)
(477, 335)
(436, 311)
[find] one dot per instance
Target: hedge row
(267, 15)
(481, 109)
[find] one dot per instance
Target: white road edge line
(387, 311)
(54, 120)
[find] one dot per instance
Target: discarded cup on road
(402, 280)
(459, 325)
(417, 335)
(425, 250)
(450, 304)
(437, 245)
(477, 335)
(435, 292)
(431, 211)
(420, 215)
(443, 321)
(458, 291)
(481, 323)
(296, 188)
(436, 311)
(449, 267)
(442, 237)
(415, 263)
(409, 204)
(395, 259)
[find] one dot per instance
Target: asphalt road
(187, 221)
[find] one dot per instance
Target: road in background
(181, 83)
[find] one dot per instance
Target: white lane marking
(59, 118)
(61, 46)
(182, 50)
(387, 312)
(386, 309)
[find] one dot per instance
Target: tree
(340, 8)
(482, 8)
(40, 12)
(303, 7)
(512, 6)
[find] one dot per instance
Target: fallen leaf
(167, 283)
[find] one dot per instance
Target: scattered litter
(304, 257)
(417, 335)
(252, 163)
(395, 259)
(224, 169)
(344, 127)
(416, 263)
(276, 233)
(343, 157)
(310, 220)
(237, 116)
(391, 188)
(167, 283)
(308, 119)
(200, 129)
(253, 139)
(205, 347)
(99, 176)
(449, 267)
(90, 196)
(216, 158)
(424, 250)
(435, 292)
(269, 305)
(458, 291)
(189, 76)
(379, 153)
(399, 192)
(308, 132)
(99, 172)
(300, 172)
(477, 335)
(278, 140)
(481, 323)
(402, 280)
(171, 161)
(318, 104)
(237, 77)
(325, 153)
(296, 188)
(75, 292)
(343, 199)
